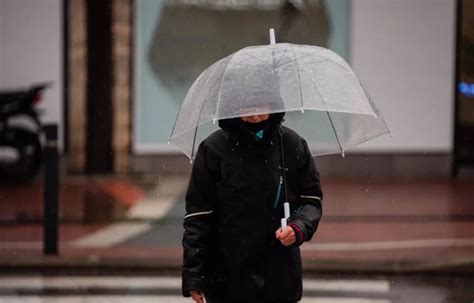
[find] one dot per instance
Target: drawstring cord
(283, 169)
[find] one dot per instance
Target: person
(234, 249)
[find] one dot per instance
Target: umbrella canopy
(323, 98)
(190, 35)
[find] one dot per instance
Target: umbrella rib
(202, 107)
(281, 56)
(279, 67)
(325, 59)
(335, 133)
(222, 83)
(194, 141)
(261, 61)
(363, 125)
(374, 109)
(329, 59)
(299, 77)
(197, 124)
(211, 72)
(182, 105)
(240, 62)
(315, 53)
(302, 57)
(329, 116)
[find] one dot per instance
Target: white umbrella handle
(286, 209)
(283, 224)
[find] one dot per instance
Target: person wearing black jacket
(234, 248)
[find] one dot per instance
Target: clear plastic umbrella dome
(323, 99)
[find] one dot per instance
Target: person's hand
(198, 296)
(287, 236)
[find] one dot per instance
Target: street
(143, 139)
(154, 288)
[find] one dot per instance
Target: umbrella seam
(181, 107)
(199, 117)
(304, 56)
(183, 103)
(222, 83)
(253, 57)
(281, 56)
(315, 53)
(343, 111)
(329, 116)
(299, 76)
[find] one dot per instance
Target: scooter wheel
(28, 158)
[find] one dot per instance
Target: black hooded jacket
(234, 204)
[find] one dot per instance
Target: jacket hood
(241, 131)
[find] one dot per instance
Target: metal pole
(51, 188)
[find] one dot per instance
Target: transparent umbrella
(323, 99)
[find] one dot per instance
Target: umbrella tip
(343, 154)
(272, 36)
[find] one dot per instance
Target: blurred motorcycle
(21, 134)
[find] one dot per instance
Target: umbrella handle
(283, 224)
(286, 209)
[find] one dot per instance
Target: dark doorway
(99, 156)
(464, 112)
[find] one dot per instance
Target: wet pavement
(157, 288)
(379, 225)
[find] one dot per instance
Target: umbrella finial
(272, 36)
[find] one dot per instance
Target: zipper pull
(281, 179)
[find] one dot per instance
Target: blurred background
(106, 195)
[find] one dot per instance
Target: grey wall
(403, 52)
(31, 49)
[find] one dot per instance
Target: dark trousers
(224, 300)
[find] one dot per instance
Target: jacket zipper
(277, 199)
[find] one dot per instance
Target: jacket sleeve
(198, 223)
(305, 219)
